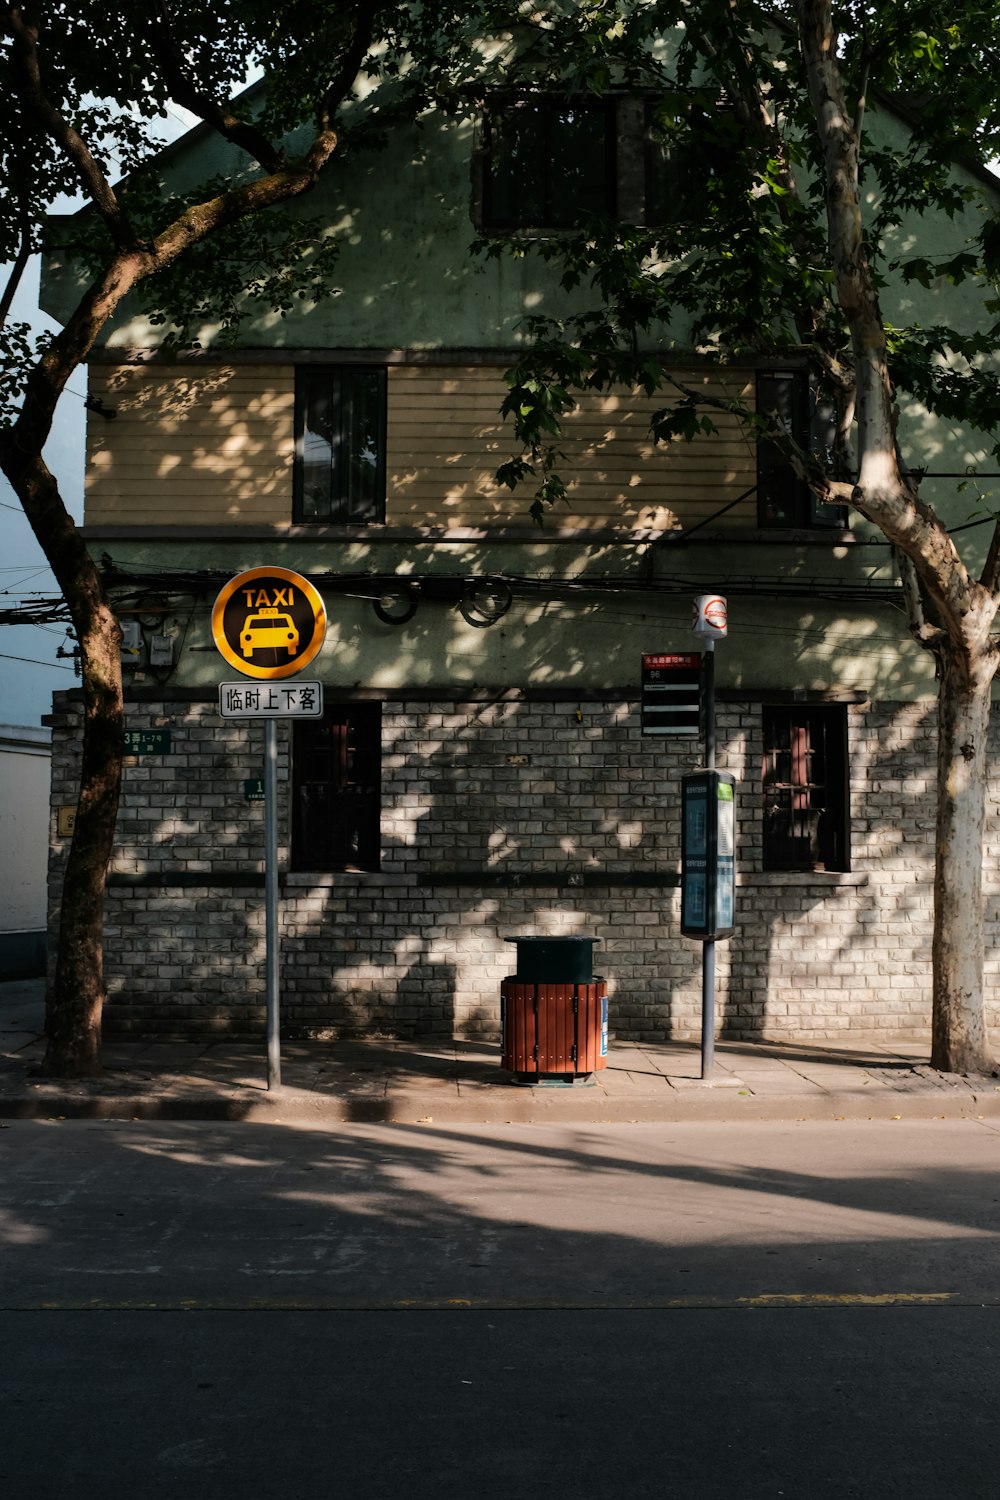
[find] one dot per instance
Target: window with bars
(783, 497)
(549, 162)
(806, 811)
(336, 789)
(340, 444)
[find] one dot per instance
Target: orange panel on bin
(554, 1028)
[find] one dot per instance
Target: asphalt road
(789, 1310)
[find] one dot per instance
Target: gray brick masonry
(418, 949)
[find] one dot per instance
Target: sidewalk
(462, 1082)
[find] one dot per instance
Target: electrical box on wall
(161, 651)
(708, 841)
(131, 643)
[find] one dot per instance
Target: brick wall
(571, 817)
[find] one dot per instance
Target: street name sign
(146, 742)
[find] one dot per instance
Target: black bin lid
(555, 960)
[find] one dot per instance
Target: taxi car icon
(268, 627)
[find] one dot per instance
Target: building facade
(480, 772)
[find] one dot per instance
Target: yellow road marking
(758, 1302)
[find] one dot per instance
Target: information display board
(671, 692)
(708, 842)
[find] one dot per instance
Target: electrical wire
(11, 587)
(33, 661)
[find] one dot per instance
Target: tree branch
(923, 632)
(882, 493)
(354, 56)
(26, 75)
(861, 103)
(24, 251)
(186, 92)
(128, 267)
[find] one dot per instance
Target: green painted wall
(585, 638)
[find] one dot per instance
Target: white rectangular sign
(278, 700)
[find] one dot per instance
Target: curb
(289, 1106)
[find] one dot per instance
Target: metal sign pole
(268, 623)
(708, 947)
(272, 951)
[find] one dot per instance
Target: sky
(30, 669)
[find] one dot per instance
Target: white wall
(25, 766)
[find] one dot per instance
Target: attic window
(549, 162)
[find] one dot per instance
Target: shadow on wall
(507, 819)
(861, 949)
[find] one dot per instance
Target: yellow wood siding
(445, 442)
(214, 444)
(191, 446)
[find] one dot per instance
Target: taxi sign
(269, 622)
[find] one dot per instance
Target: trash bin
(554, 1011)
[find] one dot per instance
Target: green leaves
(731, 254)
(20, 347)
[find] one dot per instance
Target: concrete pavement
(461, 1082)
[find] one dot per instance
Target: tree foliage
(739, 260)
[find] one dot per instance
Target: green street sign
(147, 742)
(253, 790)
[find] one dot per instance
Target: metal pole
(272, 954)
(708, 946)
(708, 666)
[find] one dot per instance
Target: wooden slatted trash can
(554, 1011)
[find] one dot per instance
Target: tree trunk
(964, 698)
(76, 995)
(75, 1000)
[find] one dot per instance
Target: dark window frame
(345, 505)
(806, 788)
(676, 172)
(494, 217)
(336, 790)
(784, 499)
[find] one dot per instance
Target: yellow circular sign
(269, 622)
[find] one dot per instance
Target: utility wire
(33, 661)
